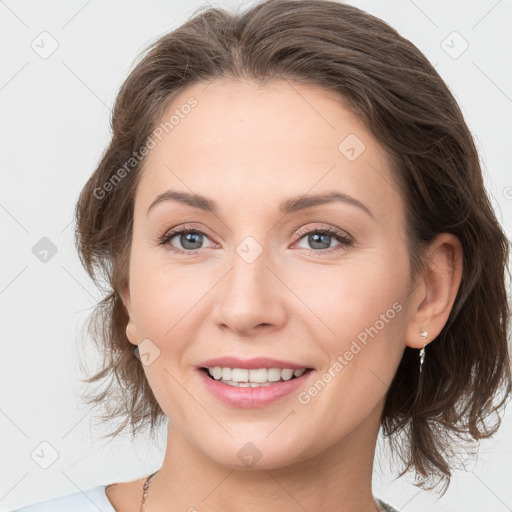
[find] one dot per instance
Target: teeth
(246, 384)
(253, 377)
(239, 375)
(273, 374)
(256, 375)
(286, 374)
(216, 372)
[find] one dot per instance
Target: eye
(189, 239)
(192, 239)
(320, 239)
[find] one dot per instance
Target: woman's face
(257, 279)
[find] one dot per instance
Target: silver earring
(424, 335)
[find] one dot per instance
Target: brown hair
(406, 105)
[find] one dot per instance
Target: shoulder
(90, 500)
(385, 507)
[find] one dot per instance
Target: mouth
(252, 383)
(255, 377)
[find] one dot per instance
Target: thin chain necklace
(145, 489)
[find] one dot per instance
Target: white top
(90, 500)
(95, 500)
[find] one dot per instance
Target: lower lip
(247, 398)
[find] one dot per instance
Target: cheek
(364, 318)
(363, 322)
(352, 297)
(166, 299)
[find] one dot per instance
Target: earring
(424, 335)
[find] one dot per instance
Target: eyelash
(345, 241)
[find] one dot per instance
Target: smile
(236, 392)
(243, 377)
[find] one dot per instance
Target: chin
(244, 454)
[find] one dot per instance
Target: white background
(55, 124)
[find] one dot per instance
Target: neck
(337, 479)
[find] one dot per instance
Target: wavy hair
(392, 87)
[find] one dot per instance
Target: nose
(250, 298)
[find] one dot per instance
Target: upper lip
(254, 363)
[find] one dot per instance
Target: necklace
(145, 489)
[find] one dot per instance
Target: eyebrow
(291, 205)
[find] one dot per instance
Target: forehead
(243, 141)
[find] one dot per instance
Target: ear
(434, 295)
(131, 328)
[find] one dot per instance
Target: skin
(249, 147)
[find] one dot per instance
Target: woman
(292, 220)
